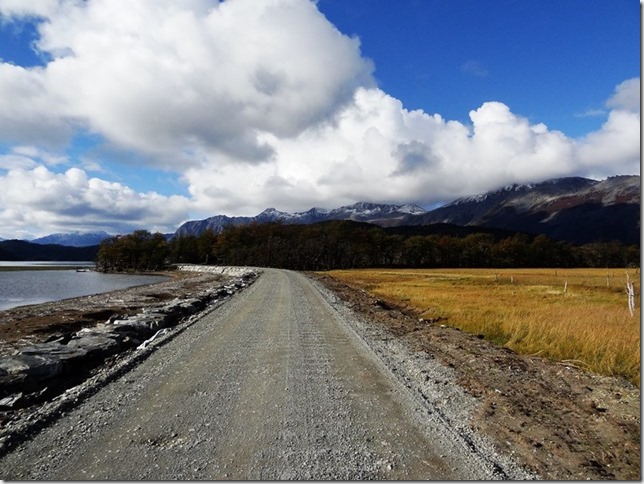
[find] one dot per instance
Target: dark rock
(104, 314)
(96, 344)
(192, 305)
(27, 369)
(382, 304)
(172, 310)
(67, 355)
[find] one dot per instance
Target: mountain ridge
(575, 209)
(73, 239)
(578, 210)
(359, 212)
(22, 250)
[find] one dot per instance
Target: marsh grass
(584, 322)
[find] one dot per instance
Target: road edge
(429, 383)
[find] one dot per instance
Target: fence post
(630, 290)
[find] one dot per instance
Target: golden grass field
(585, 322)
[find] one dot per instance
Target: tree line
(349, 245)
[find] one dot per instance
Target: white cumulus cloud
(36, 201)
(376, 150)
(21, 8)
(29, 111)
(165, 76)
(626, 96)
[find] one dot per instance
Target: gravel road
(275, 384)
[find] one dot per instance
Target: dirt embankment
(556, 420)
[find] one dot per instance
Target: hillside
(19, 250)
(576, 210)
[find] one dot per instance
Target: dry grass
(527, 310)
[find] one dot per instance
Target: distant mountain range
(73, 246)
(73, 239)
(21, 250)
(577, 210)
(379, 214)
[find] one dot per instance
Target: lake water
(45, 263)
(22, 287)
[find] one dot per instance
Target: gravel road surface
(275, 384)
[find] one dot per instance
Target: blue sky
(143, 115)
(549, 60)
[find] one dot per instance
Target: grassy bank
(579, 316)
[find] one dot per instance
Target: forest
(353, 245)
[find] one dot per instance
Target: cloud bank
(33, 196)
(252, 104)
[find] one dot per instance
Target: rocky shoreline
(48, 349)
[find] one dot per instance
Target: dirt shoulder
(558, 421)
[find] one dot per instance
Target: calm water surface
(22, 287)
(45, 263)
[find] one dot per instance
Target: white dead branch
(630, 290)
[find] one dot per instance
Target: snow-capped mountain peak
(274, 214)
(411, 209)
(73, 239)
(574, 208)
(361, 211)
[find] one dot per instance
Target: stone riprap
(234, 271)
(46, 369)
